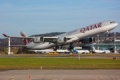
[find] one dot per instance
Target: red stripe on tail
(24, 40)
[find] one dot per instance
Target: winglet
(5, 35)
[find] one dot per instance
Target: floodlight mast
(8, 45)
(115, 43)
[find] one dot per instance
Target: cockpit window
(112, 22)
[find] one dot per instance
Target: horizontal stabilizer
(5, 35)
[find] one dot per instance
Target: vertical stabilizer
(25, 41)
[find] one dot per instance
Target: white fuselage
(77, 34)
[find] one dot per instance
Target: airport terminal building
(105, 41)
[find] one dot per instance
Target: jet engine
(38, 39)
(61, 40)
(88, 40)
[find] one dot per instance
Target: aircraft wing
(18, 37)
(42, 39)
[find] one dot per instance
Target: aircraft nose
(115, 24)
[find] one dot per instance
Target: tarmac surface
(60, 75)
(99, 56)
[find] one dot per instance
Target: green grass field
(21, 63)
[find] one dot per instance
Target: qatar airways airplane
(66, 38)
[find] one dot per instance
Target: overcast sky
(43, 16)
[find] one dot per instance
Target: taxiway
(60, 75)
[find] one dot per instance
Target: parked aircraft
(66, 38)
(100, 51)
(80, 51)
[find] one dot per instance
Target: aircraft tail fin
(93, 48)
(23, 34)
(25, 40)
(75, 51)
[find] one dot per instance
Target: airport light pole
(8, 45)
(98, 41)
(115, 43)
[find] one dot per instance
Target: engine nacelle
(88, 40)
(61, 40)
(38, 39)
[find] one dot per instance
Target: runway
(60, 75)
(99, 56)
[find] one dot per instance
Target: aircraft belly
(43, 45)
